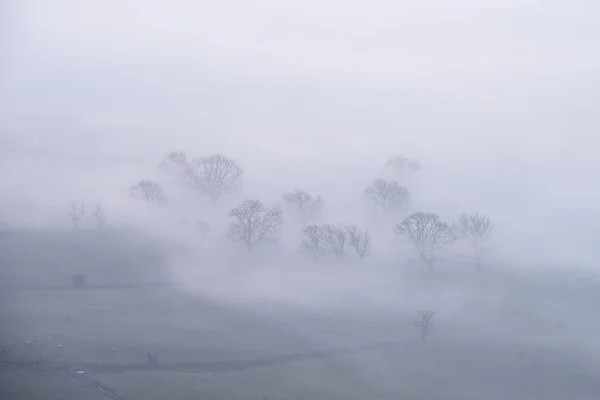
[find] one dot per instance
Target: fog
(494, 100)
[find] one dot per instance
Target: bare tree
(303, 205)
(151, 360)
(100, 216)
(176, 163)
(359, 240)
(476, 229)
(216, 175)
(401, 164)
(336, 237)
(149, 191)
(389, 196)
(315, 242)
(254, 222)
(427, 232)
(424, 322)
(76, 213)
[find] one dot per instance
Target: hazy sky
(276, 74)
(496, 94)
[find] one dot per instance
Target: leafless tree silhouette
(476, 229)
(76, 213)
(427, 232)
(401, 163)
(424, 322)
(389, 196)
(176, 163)
(336, 237)
(315, 242)
(100, 216)
(149, 191)
(151, 360)
(303, 205)
(216, 175)
(254, 223)
(359, 240)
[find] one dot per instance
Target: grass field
(119, 327)
(496, 336)
(34, 385)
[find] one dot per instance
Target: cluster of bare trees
(254, 222)
(302, 205)
(426, 230)
(322, 240)
(214, 175)
(429, 233)
(77, 212)
(217, 175)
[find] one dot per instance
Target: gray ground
(211, 351)
(47, 385)
(496, 336)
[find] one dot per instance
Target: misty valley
(299, 200)
(198, 290)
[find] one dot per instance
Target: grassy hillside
(49, 258)
(497, 335)
(204, 348)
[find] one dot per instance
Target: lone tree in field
(100, 216)
(302, 205)
(424, 322)
(254, 223)
(76, 213)
(335, 237)
(359, 240)
(314, 242)
(389, 196)
(149, 191)
(427, 232)
(216, 175)
(151, 360)
(476, 229)
(402, 164)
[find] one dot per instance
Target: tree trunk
(429, 259)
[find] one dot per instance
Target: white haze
(496, 99)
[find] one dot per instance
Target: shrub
(78, 281)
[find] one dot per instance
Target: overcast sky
(488, 94)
